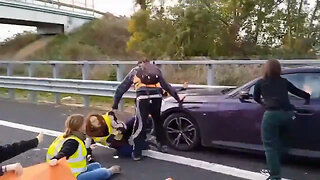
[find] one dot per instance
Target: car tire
(183, 137)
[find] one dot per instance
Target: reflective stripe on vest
(138, 84)
(103, 140)
(77, 162)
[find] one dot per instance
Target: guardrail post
(32, 94)
(85, 76)
(210, 74)
(10, 73)
(55, 74)
(120, 77)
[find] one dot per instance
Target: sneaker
(90, 159)
(265, 172)
(156, 146)
(162, 148)
(135, 157)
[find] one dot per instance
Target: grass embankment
(45, 97)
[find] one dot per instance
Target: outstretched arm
(123, 88)
(167, 87)
(298, 92)
(11, 150)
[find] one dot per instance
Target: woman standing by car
(279, 113)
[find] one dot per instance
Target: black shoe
(135, 157)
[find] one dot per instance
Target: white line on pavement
(218, 168)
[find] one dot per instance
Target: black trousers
(146, 107)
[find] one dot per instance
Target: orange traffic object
(43, 172)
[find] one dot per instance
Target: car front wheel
(182, 132)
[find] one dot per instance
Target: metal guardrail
(120, 65)
(72, 86)
(210, 64)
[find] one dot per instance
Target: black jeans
(146, 107)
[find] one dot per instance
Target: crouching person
(108, 131)
(71, 145)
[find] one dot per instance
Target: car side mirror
(244, 95)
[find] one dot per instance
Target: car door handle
(304, 112)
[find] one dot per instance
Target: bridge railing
(83, 86)
(79, 6)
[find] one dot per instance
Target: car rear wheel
(182, 132)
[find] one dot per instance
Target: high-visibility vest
(138, 84)
(111, 130)
(77, 162)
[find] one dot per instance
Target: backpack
(148, 73)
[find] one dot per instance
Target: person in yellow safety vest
(105, 128)
(71, 145)
(108, 131)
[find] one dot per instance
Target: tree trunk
(299, 23)
(314, 13)
(289, 22)
(258, 24)
(142, 3)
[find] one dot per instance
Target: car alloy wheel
(181, 132)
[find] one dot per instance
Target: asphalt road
(52, 117)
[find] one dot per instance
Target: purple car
(230, 118)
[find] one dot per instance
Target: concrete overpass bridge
(49, 16)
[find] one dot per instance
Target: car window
(251, 90)
(309, 82)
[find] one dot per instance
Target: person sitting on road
(11, 150)
(71, 145)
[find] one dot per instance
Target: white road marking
(218, 168)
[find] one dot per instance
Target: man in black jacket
(148, 81)
(11, 150)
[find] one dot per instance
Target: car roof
(285, 70)
(305, 69)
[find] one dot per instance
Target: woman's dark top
(275, 93)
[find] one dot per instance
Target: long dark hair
(272, 69)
